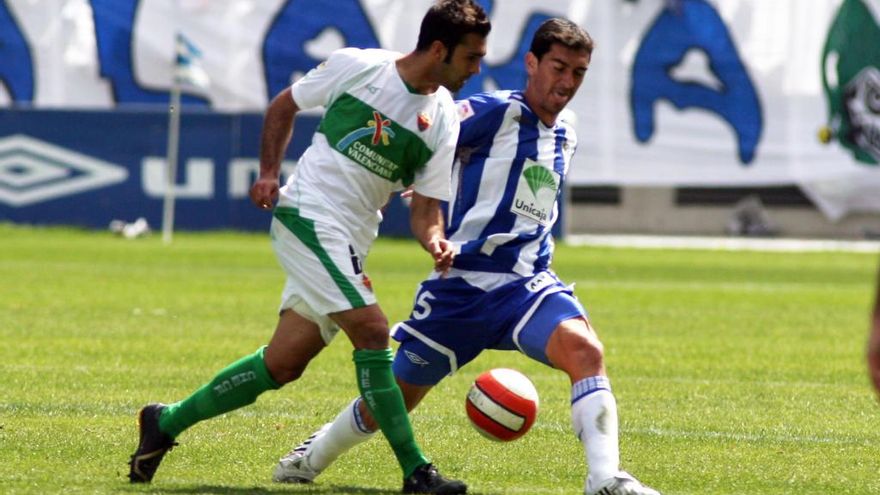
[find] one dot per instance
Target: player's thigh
(323, 274)
(544, 315)
(447, 328)
(321, 266)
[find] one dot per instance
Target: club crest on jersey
(536, 193)
(379, 127)
(423, 121)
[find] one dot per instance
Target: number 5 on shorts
(423, 307)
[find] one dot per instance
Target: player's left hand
(443, 252)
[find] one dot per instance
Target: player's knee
(587, 350)
(283, 374)
(576, 351)
(586, 344)
(371, 334)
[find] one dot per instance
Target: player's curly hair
(448, 21)
(562, 31)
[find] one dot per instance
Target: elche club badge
(423, 120)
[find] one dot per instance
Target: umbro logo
(33, 171)
(372, 89)
(416, 359)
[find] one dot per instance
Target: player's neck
(546, 118)
(415, 70)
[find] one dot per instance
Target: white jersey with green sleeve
(376, 137)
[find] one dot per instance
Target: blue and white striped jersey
(506, 181)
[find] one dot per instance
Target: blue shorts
(452, 322)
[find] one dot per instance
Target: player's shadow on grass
(292, 489)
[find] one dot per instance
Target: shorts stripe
(450, 355)
(526, 317)
(304, 230)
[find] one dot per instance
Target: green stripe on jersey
(374, 141)
(304, 230)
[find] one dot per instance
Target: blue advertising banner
(88, 168)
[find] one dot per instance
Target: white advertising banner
(679, 92)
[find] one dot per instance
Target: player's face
(464, 63)
(554, 80)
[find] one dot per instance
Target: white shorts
(324, 274)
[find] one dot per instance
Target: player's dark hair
(448, 21)
(560, 31)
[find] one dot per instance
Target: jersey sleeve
(433, 179)
(318, 87)
(479, 116)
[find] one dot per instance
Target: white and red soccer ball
(502, 404)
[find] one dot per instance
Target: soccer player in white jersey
(389, 123)
(512, 158)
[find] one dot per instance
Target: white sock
(346, 431)
(594, 417)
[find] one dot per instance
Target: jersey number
(423, 307)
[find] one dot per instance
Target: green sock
(236, 386)
(385, 401)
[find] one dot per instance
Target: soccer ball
(502, 404)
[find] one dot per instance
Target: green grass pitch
(735, 372)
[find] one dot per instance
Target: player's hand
(443, 252)
(264, 192)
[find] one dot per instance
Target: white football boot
(622, 483)
(294, 467)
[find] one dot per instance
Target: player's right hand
(264, 192)
(443, 252)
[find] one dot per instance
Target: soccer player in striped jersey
(512, 157)
(389, 123)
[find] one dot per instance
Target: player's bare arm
(426, 222)
(277, 130)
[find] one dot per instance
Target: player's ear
(531, 63)
(438, 50)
